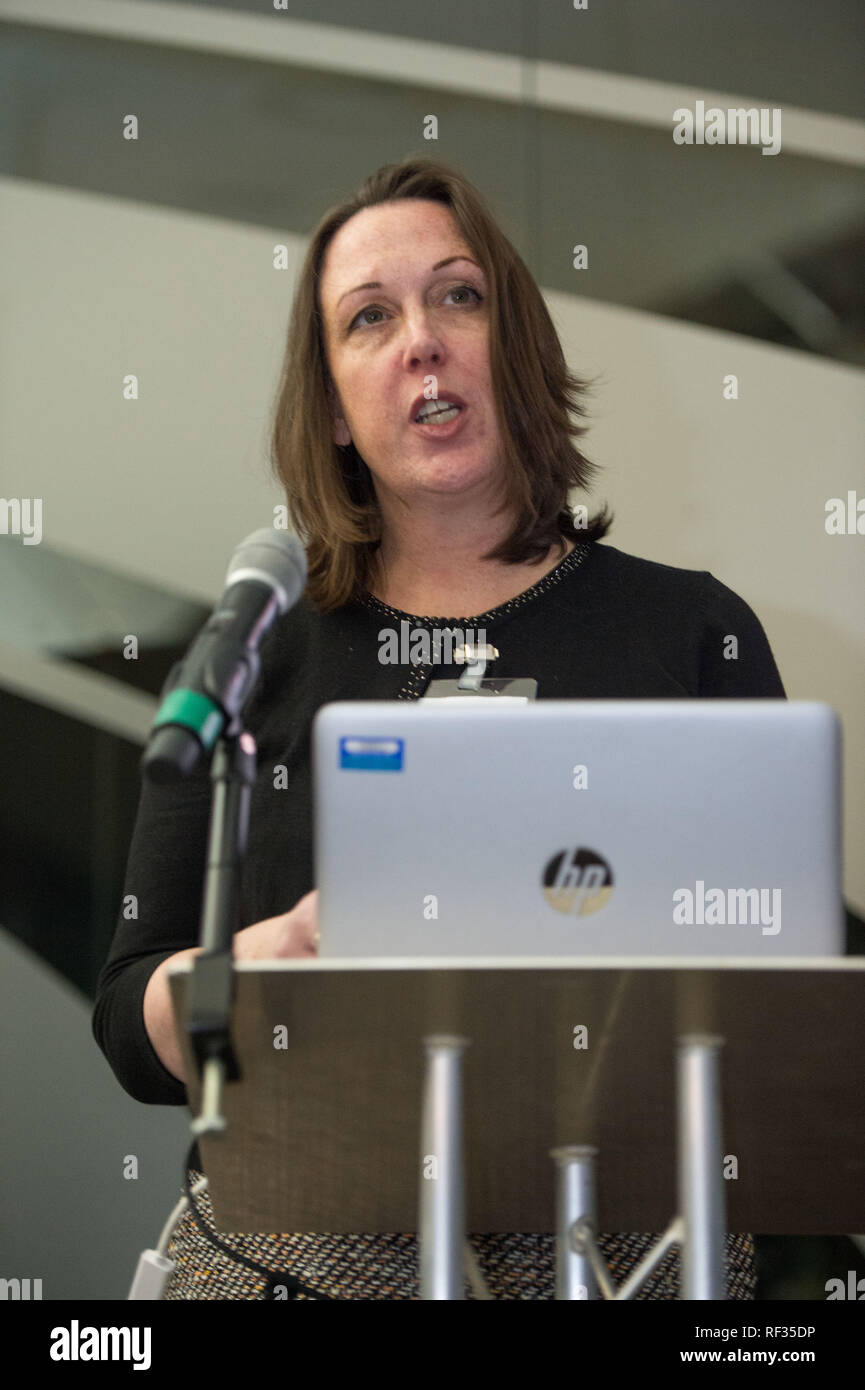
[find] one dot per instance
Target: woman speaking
(425, 434)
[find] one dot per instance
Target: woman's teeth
(440, 417)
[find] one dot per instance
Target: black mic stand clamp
(211, 987)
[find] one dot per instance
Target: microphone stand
(201, 706)
(232, 774)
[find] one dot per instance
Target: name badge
(520, 688)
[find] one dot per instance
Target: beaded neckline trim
(559, 571)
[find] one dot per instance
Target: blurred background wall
(154, 256)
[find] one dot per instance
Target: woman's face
(421, 319)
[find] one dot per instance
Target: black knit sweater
(601, 624)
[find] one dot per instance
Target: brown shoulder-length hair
(329, 489)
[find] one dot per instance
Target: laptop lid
(578, 828)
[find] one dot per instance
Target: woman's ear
(340, 430)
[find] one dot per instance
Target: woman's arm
(288, 934)
(159, 1016)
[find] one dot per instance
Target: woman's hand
(293, 933)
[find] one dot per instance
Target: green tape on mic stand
(194, 711)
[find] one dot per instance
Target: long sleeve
(164, 879)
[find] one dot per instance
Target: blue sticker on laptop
(371, 754)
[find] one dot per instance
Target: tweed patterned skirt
(386, 1266)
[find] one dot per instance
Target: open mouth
(437, 413)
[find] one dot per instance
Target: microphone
(207, 689)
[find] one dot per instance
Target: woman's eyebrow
(377, 284)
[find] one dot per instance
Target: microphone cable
(274, 1279)
(154, 1268)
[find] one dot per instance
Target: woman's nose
(423, 344)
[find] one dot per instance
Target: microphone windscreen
(276, 557)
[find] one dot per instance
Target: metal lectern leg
(575, 1201)
(701, 1183)
(442, 1187)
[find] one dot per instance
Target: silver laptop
(578, 828)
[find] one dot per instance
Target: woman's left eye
(461, 289)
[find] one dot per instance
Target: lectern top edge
(837, 965)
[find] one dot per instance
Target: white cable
(176, 1215)
(154, 1269)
